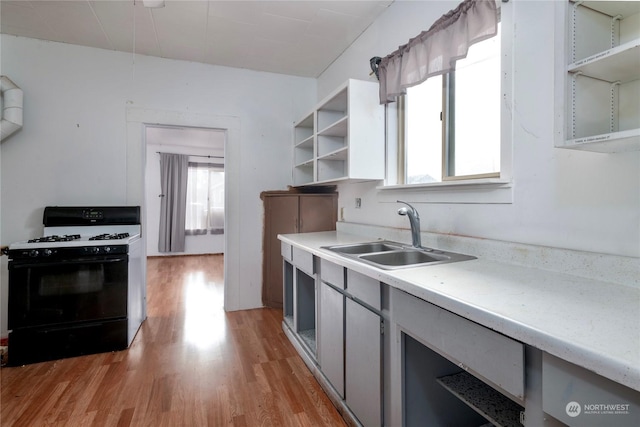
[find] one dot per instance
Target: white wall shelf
(614, 142)
(342, 139)
(602, 77)
(339, 154)
(619, 64)
(338, 128)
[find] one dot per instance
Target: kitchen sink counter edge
(591, 323)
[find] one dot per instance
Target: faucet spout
(414, 221)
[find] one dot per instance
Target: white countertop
(591, 323)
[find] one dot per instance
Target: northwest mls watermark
(574, 409)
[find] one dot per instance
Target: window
(451, 124)
(205, 199)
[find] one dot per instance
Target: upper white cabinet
(602, 76)
(342, 139)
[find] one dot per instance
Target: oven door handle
(31, 264)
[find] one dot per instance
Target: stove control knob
(94, 249)
(47, 252)
(33, 253)
(107, 249)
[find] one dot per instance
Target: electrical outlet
(358, 202)
(341, 214)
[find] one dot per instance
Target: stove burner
(51, 239)
(106, 236)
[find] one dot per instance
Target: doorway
(137, 119)
(205, 148)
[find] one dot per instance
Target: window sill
(482, 191)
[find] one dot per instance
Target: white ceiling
(289, 37)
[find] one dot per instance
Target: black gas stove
(79, 288)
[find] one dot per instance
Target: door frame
(137, 119)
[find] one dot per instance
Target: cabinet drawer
(364, 288)
(493, 357)
(303, 260)
(332, 273)
(285, 249)
(579, 397)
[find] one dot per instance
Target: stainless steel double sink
(391, 255)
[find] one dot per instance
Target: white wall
(73, 147)
(561, 198)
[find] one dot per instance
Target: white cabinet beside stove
(137, 291)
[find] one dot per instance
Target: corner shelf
(602, 76)
(489, 403)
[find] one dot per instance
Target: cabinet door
(331, 336)
(363, 365)
(318, 213)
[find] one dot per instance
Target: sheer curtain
(205, 199)
(173, 183)
(436, 50)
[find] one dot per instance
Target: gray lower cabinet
(300, 296)
(581, 398)
(430, 367)
(350, 341)
(331, 336)
(363, 363)
(445, 364)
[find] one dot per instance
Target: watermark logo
(573, 409)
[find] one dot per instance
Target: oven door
(67, 291)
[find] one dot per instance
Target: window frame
(482, 188)
(209, 167)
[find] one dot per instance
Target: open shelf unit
(603, 76)
(342, 138)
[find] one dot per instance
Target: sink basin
(404, 257)
(366, 248)
(391, 255)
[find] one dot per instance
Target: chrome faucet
(414, 220)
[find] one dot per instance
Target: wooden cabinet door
(363, 364)
(281, 217)
(290, 213)
(318, 212)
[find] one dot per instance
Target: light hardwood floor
(191, 364)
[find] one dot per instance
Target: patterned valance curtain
(436, 50)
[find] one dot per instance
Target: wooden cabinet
(286, 212)
(602, 75)
(342, 139)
